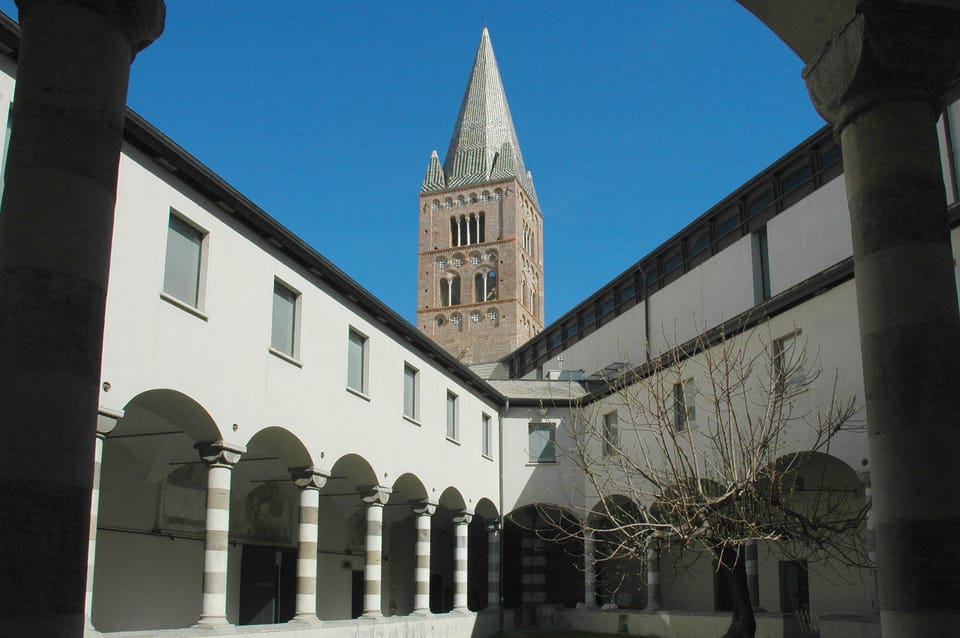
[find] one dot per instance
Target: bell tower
(481, 230)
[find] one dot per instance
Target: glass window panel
(409, 392)
(542, 443)
(611, 437)
(284, 319)
(355, 361)
(486, 436)
(451, 416)
(181, 273)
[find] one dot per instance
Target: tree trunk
(732, 559)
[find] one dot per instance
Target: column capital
(424, 507)
(462, 518)
(141, 21)
(309, 478)
(888, 52)
(493, 527)
(219, 453)
(375, 495)
(107, 421)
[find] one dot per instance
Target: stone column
(309, 481)
(374, 498)
(589, 571)
(460, 554)
(880, 82)
(55, 232)
(493, 565)
(421, 597)
(533, 571)
(654, 595)
(220, 458)
(106, 422)
(753, 572)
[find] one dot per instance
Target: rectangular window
(788, 365)
(679, 407)
(542, 443)
(184, 260)
(357, 361)
(452, 416)
(611, 435)
(283, 337)
(761, 266)
(411, 391)
(486, 434)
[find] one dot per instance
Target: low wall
(850, 626)
(453, 625)
(675, 624)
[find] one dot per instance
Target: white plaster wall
(223, 362)
(810, 236)
(526, 483)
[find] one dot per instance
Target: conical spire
(484, 144)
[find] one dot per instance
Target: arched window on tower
(464, 231)
(482, 231)
(474, 229)
(534, 300)
(523, 291)
(450, 291)
(454, 232)
(484, 286)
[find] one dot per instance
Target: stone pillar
(55, 232)
(533, 571)
(589, 571)
(309, 481)
(460, 556)
(421, 597)
(880, 82)
(374, 498)
(106, 422)
(871, 536)
(220, 458)
(753, 572)
(493, 565)
(654, 595)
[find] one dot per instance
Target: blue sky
(634, 117)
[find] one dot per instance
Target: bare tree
(706, 452)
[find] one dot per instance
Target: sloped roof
(484, 146)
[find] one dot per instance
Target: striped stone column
(533, 571)
(460, 531)
(220, 458)
(753, 572)
(654, 595)
(309, 481)
(493, 565)
(374, 498)
(106, 421)
(421, 597)
(589, 571)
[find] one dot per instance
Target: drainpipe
(506, 409)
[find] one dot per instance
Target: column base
(588, 606)
(372, 614)
(653, 608)
(305, 619)
(214, 623)
(460, 611)
(421, 612)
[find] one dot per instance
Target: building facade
(480, 292)
(275, 445)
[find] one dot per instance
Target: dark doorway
(721, 589)
(356, 593)
(268, 585)
(794, 586)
